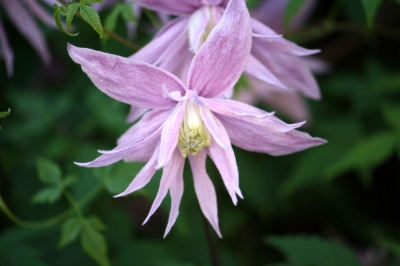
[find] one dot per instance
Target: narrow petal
(197, 26)
(249, 114)
(205, 190)
(6, 51)
(176, 192)
(143, 177)
(171, 170)
(135, 113)
(27, 26)
(254, 137)
(162, 41)
(41, 13)
(127, 80)
(225, 161)
(173, 7)
(215, 127)
(170, 133)
(258, 70)
(288, 68)
(222, 58)
(279, 43)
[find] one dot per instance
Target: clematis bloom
(190, 121)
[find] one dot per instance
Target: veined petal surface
(173, 7)
(127, 80)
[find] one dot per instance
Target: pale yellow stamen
(193, 135)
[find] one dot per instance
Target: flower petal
(135, 113)
(279, 43)
(205, 190)
(215, 127)
(222, 58)
(255, 137)
(6, 51)
(127, 80)
(249, 114)
(173, 7)
(143, 177)
(170, 171)
(170, 34)
(176, 192)
(41, 13)
(170, 133)
(27, 26)
(258, 70)
(288, 68)
(225, 161)
(197, 25)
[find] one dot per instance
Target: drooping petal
(289, 69)
(170, 133)
(205, 190)
(176, 192)
(162, 41)
(173, 7)
(173, 168)
(27, 26)
(215, 127)
(135, 113)
(225, 161)
(6, 50)
(41, 13)
(127, 80)
(254, 137)
(258, 70)
(222, 58)
(249, 114)
(143, 177)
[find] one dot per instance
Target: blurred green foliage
(337, 203)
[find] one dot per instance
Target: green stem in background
(73, 203)
(54, 220)
(152, 18)
(210, 242)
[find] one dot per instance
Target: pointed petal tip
(82, 164)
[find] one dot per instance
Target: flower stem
(210, 242)
(51, 221)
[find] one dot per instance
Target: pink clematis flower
(274, 61)
(190, 121)
(21, 15)
(290, 102)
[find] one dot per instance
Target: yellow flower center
(193, 135)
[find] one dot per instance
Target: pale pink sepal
(225, 161)
(27, 26)
(170, 133)
(214, 126)
(173, 168)
(221, 60)
(6, 51)
(279, 43)
(205, 190)
(41, 13)
(127, 80)
(135, 113)
(249, 114)
(254, 137)
(258, 70)
(143, 177)
(197, 25)
(173, 7)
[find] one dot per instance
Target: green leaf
(96, 223)
(368, 152)
(293, 6)
(57, 17)
(127, 13)
(94, 244)
(392, 115)
(4, 114)
(88, 2)
(47, 195)
(312, 250)
(398, 1)
(90, 16)
(49, 172)
(69, 180)
(72, 8)
(70, 231)
(370, 8)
